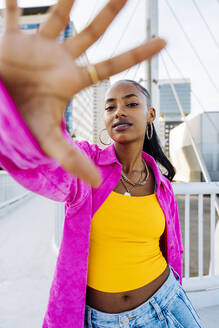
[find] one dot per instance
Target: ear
(151, 115)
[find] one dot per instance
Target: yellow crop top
(124, 252)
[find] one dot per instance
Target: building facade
(68, 32)
(169, 110)
(31, 20)
(88, 110)
(99, 131)
(204, 130)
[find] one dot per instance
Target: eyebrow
(125, 97)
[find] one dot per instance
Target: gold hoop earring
(151, 130)
(103, 143)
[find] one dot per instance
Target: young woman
(135, 254)
(131, 242)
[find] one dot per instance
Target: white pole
(152, 71)
(148, 36)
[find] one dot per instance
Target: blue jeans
(169, 307)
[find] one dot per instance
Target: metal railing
(202, 286)
(201, 282)
(201, 190)
(11, 193)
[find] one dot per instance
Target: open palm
(41, 75)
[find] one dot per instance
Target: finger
(12, 13)
(58, 19)
(70, 158)
(122, 62)
(79, 43)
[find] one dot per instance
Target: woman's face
(126, 114)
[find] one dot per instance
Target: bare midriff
(124, 301)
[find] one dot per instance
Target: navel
(126, 297)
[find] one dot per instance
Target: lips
(121, 122)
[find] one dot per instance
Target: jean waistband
(162, 297)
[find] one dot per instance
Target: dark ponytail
(152, 146)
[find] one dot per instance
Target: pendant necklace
(134, 184)
(139, 182)
(127, 193)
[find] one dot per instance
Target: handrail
(194, 284)
(2, 172)
(14, 200)
(196, 188)
(11, 191)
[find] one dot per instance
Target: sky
(129, 30)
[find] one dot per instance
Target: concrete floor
(210, 316)
(27, 258)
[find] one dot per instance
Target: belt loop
(157, 309)
(178, 277)
(89, 320)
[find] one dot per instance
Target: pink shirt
(22, 157)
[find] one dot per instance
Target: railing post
(212, 237)
(187, 236)
(200, 235)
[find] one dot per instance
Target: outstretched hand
(41, 75)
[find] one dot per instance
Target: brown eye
(109, 108)
(132, 105)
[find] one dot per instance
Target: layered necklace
(140, 182)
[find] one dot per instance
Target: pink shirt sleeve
(22, 157)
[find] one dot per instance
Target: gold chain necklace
(139, 182)
(128, 191)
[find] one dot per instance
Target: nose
(120, 111)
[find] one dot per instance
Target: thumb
(70, 158)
